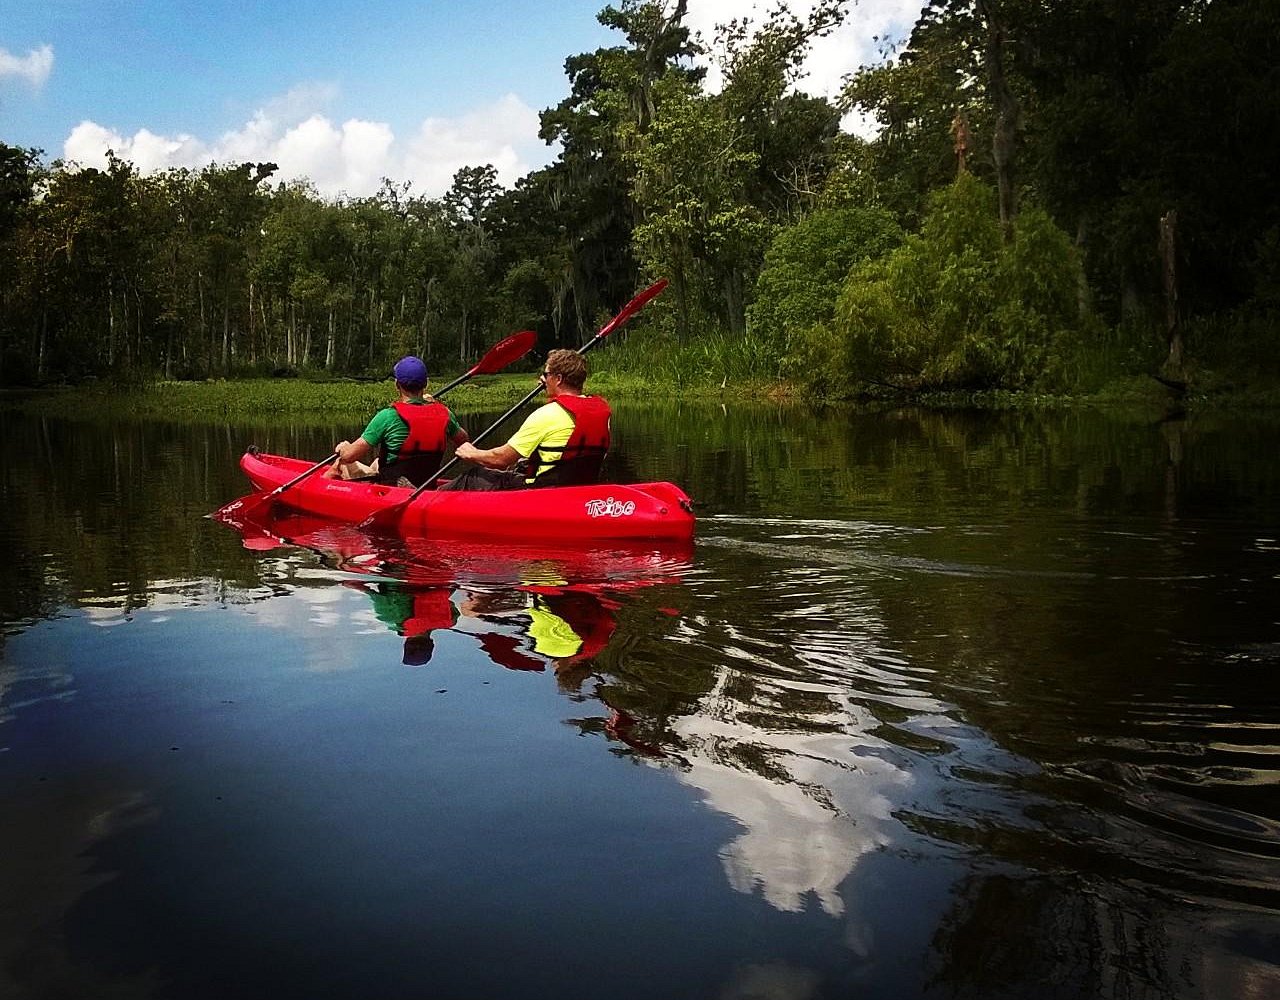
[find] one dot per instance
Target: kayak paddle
(499, 356)
(386, 518)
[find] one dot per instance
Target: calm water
(938, 705)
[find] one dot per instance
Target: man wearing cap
(407, 440)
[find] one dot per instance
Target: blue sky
(343, 93)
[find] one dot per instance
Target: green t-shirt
(392, 606)
(549, 424)
(387, 425)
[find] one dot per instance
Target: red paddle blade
(633, 307)
(236, 507)
(505, 352)
(384, 520)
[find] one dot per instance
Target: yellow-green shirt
(552, 636)
(550, 425)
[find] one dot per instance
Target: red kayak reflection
(528, 607)
(462, 562)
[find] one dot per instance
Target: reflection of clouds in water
(108, 610)
(107, 617)
(287, 610)
(30, 683)
(311, 614)
(772, 982)
(806, 822)
(366, 622)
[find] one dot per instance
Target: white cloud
(298, 132)
(855, 43)
(88, 144)
(34, 67)
(494, 134)
(348, 158)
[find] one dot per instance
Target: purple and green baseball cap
(411, 372)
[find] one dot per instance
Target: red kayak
(564, 513)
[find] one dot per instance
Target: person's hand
(337, 448)
(466, 451)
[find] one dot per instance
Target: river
(962, 704)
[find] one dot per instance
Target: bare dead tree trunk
(1003, 143)
(1084, 295)
(253, 350)
(43, 343)
(266, 329)
(960, 132)
(111, 321)
(124, 326)
(735, 301)
(1172, 329)
(329, 343)
(226, 333)
(137, 316)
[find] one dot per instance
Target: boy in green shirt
(376, 452)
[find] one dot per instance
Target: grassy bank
(245, 400)
(694, 372)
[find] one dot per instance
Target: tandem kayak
(565, 513)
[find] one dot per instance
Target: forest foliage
(1054, 194)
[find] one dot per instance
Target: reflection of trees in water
(798, 461)
(54, 831)
(105, 510)
(98, 508)
(760, 743)
(767, 742)
(1080, 937)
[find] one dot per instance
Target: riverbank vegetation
(1058, 200)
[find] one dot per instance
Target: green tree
(806, 267)
(691, 178)
(954, 307)
(20, 171)
(615, 94)
(704, 204)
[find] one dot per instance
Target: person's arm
(455, 432)
(353, 451)
(523, 443)
(501, 457)
(365, 447)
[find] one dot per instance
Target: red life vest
(422, 451)
(432, 609)
(581, 456)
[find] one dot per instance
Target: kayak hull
(568, 513)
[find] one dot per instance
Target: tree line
(1048, 183)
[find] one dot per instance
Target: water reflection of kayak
(615, 563)
(566, 513)
(530, 607)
